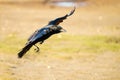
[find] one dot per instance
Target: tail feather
(24, 50)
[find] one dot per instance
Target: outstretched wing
(71, 12)
(60, 19)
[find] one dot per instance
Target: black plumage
(42, 34)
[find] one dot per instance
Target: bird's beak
(63, 30)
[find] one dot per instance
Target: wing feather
(38, 34)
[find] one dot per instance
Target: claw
(37, 49)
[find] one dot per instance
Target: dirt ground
(85, 66)
(16, 19)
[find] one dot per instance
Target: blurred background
(89, 50)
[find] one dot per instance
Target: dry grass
(88, 51)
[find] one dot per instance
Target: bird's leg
(37, 48)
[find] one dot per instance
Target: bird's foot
(37, 49)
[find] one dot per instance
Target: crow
(44, 33)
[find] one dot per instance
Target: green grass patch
(11, 44)
(83, 43)
(65, 44)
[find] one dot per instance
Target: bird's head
(59, 29)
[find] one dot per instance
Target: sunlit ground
(89, 50)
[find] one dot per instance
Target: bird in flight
(44, 33)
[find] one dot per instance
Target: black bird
(42, 34)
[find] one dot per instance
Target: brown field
(90, 50)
